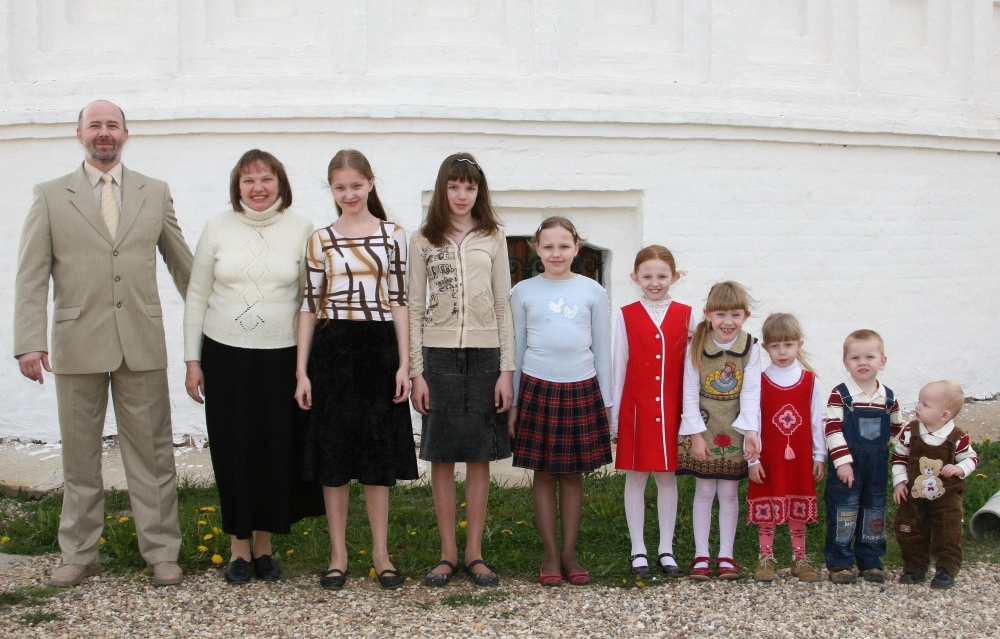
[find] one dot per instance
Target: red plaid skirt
(562, 427)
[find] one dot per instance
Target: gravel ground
(203, 606)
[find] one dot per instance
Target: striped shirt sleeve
(965, 457)
(901, 455)
(835, 442)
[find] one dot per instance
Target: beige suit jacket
(107, 304)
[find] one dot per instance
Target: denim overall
(867, 433)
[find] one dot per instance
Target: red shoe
(699, 574)
(581, 578)
(554, 579)
(728, 572)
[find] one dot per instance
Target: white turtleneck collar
(266, 217)
(784, 376)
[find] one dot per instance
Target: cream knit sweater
(247, 280)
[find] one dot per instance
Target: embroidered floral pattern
(723, 444)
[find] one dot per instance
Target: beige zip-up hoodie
(459, 297)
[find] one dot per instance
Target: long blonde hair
(723, 296)
(783, 327)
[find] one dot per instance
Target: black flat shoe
(238, 571)
(668, 570)
(333, 579)
(484, 579)
(639, 571)
(391, 578)
(266, 568)
(440, 578)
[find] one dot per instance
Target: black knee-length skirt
(463, 424)
(256, 439)
(354, 430)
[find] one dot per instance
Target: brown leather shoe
(166, 573)
(68, 575)
(803, 569)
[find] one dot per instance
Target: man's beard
(103, 157)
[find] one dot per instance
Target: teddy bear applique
(928, 484)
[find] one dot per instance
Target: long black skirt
(354, 430)
(256, 439)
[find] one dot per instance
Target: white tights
(666, 508)
(729, 512)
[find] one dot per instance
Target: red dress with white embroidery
(788, 491)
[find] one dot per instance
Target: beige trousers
(142, 408)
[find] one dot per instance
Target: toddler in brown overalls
(930, 461)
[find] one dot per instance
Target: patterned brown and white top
(355, 278)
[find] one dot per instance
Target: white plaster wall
(838, 157)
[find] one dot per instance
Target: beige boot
(765, 568)
(802, 569)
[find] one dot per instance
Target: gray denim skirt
(463, 425)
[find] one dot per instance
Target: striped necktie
(109, 205)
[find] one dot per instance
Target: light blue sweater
(562, 332)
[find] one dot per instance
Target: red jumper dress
(788, 491)
(650, 412)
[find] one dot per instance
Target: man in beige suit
(94, 233)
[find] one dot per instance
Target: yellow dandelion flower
(216, 530)
(133, 534)
(507, 531)
(371, 573)
(109, 517)
(639, 584)
(305, 533)
(412, 533)
(625, 581)
(986, 440)
(290, 552)
(207, 509)
(362, 552)
(217, 559)
(202, 522)
(100, 542)
(202, 548)
(983, 475)
(207, 536)
(519, 523)
(462, 505)
(463, 523)
(5, 539)
(122, 520)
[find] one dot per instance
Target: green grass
(511, 541)
(30, 597)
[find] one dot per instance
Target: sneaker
(910, 578)
(942, 580)
(803, 569)
(765, 568)
(873, 575)
(843, 574)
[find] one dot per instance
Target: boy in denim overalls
(862, 415)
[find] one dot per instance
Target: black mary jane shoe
(391, 578)
(333, 579)
(670, 571)
(266, 568)
(238, 571)
(639, 571)
(440, 578)
(484, 579)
